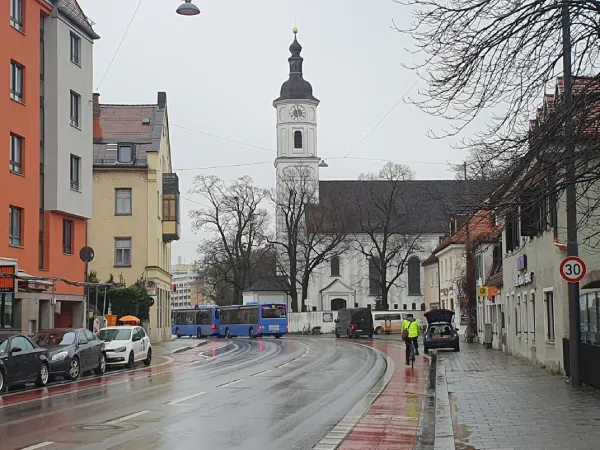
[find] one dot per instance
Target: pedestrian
(410, 333)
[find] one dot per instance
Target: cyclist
(410, 333)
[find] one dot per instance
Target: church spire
(296, 87)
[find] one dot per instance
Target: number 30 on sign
(572, 269)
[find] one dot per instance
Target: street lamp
(188, 9)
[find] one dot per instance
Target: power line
(226, 166)
(382, 119)
(119, 46)
(225, 139)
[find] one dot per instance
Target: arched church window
(297, 139)
(414, 276)
(335, 266)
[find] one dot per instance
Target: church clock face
(297, 112)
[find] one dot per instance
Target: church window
(374, 277)
(414, 276)
(335, 266)
(297, 139)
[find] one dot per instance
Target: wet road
(251, 394)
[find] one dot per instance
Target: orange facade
(22, 190)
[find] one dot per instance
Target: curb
(444, 431)
(336, 436)
(189, 347)
(426, 433)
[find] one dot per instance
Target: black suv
(354, 322)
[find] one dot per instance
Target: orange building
(46, 188)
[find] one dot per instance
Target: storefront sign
(7, 282)
(482, 291)
(151, 288)
(524, 279)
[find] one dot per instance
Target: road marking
(282, 365)
(40, 445)
(230, 383)
(123, 419)
(260, 373)
(182, 399)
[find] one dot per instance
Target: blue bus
(200, 322)
(254, 319)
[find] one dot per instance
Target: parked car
(125, 345)
(72, 351)
(440, 332)
(354, 322)
(21, 361)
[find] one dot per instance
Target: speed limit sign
(572, 269)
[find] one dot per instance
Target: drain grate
(102, 427)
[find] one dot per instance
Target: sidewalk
(497, 401)
(392, 421)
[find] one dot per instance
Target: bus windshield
(274, 312)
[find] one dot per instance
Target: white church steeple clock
(296, 118)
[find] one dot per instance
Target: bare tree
(500, 56)
(309, 232)
(386, 235)
(238, 226)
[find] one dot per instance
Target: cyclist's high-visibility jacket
(414, 329)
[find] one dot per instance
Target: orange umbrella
(129, 319)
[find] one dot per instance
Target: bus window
(273, 313)
(217, 313)
(203, 317)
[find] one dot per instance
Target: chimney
(96, 101)
(162, 100)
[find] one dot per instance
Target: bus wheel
(227, 333)
(251, 333)
(178, 334)
(198, 333)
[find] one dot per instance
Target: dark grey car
(440, 332)
(72, 351)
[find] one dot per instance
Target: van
(354, 322)
(396, 320)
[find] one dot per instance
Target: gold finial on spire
(295, 30)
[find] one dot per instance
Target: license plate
(358, 330)
(273, 327)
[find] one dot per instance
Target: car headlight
(59, 356)
(120, 349)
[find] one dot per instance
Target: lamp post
(188, 9)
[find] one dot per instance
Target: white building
(185, 286)
(423, 208)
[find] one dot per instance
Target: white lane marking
(183, 399)
(260, 373)
(40, 445)
(231, 383)
(282, 365)
(123, 419)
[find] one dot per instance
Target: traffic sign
(86, 254)
(572, 269)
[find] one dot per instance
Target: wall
(297, 321)
(452, 269)
(61, 138)
(431, 285)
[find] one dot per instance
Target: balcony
(171, 224)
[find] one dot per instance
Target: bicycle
(307, 329)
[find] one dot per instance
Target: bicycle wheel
(412, 358)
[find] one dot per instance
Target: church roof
(296, 87)
(421, 207)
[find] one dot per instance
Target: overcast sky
(223, 69)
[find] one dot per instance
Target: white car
(126, 345)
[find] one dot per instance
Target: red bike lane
(392, 420)
(172, 361)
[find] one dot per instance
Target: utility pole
(471, 282)
(571, 191)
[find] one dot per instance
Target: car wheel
(251, 333)
(74, 369)
(371, 335)
(457, 348)
(43, 376)
(349, 334)
(148, 359)
(425, 349)
(130, 361)
(337, 335)
(102, 366)
(2, 385)
(227, 333)
(178, 334)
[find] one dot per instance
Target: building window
(75, 172)
(533, 314)
(16, 81)
(374, 277)
(404, 306)
(67, 237)
(75, 49)
(75, 108)
(413, 306)
(122, 252)
(125, 154)
(123, 202)
(170, 207)
(16, 153)
(297, 139)
(414, 276)
(334, 265)
(549, 300)
(15, 226)
(422, 306)
(16, 14)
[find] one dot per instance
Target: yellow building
(136, 202)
